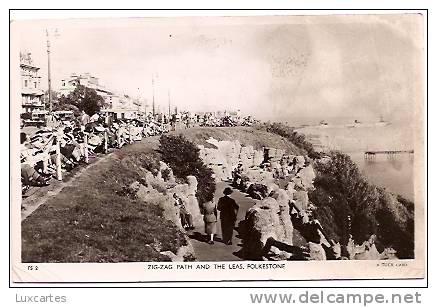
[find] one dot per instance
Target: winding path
(220, 251)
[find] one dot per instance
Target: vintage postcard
(218, 148)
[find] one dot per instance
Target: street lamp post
(153, 98)
(169, 111)
(49, 80)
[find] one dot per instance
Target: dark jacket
(228, 208)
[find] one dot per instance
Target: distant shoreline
(349, 126)
(395, 174)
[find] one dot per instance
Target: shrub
(183, 158)
(165, 174)
(151, 162)
(396, 232)
(341, 191)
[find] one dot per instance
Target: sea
(394, 173)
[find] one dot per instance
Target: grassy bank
(96, 220)
(248, 136)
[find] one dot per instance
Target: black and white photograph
(218, 147)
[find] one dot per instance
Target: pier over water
(389, 153)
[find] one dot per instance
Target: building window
(34, 83)
(25, 83)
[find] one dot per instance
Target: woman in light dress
(210, 220)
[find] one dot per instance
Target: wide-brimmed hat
(227, 191)
(99, 128)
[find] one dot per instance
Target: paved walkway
(220, 251)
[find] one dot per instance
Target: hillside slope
(92, 221)
(96, 219)
(246, 135)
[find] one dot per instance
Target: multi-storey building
(31, 94)
(122, 106)
(69, 84)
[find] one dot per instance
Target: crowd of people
(209, 119)
(67, 143)
(51, 151)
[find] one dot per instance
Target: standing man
(228, 215)
(84, 118)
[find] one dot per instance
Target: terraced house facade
(31, 93)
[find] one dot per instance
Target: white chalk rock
(290, 189)
(301, 199)
(266, 219)
(192, 185)
(184, 253)
(316, 251)
(258, 157)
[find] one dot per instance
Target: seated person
(70, 148)
(96, 140)
(29, 173)
(112, 136)
(186, 218)
(236, 174)
(79, 137)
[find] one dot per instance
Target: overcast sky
(275, 67)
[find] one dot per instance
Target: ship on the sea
(355, 124)
(323, 123)
(382, 122)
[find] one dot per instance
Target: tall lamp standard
(153, 98)
(169, 111)
(49, 79)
